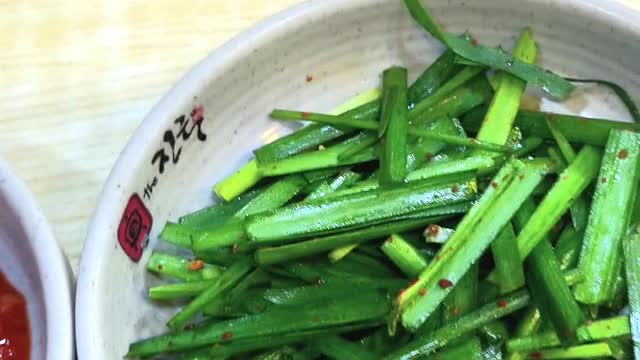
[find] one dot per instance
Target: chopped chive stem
(579, 211)
(589, 351)
(340, 253)
(570, 184)
(470, 349)
(214, 215)
(601, 254)
(337, 347)
(373, 125)
(361, 209)
(593, 331)
(320, 159)
(504, 106)
(429, 343)
(180, 235)
(565, 147)
(181, 268)
(393, 126)
(546, 282)
(274, 255)
(466, 74)
(349, 310)
(179, 290)
(404, 255)
(509, 269)
(343, 180)
(567, 247)
(239, 182)
(437, 74)
(528, 325)
(631, 247)
(577, 129)
(463, 298)
(227, 280)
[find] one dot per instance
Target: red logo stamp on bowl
(134, 228)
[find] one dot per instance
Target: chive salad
(433, 220)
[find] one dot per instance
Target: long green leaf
(632, 261)
(493, 58)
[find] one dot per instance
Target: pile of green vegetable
(392, 230)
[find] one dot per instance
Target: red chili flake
(474, 41)
(414, 281)
(445, 283)
(623, 154)
(309, 78)
(197, 114)
(422, 291)
(502, 303)
(536, 355)
(455, 311)
(160, 267)
(433, 230)
(429, 156)
(521, 176)
(227, 336)
(401, 292)
(455, 188)
(196, 265)
(235, 248)
(319, 281)
(603, 180)
(494, 184)
(306, 115)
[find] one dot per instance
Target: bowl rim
(182, 93)
(53, 269)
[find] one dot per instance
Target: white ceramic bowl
(32, 261)
(344, 46)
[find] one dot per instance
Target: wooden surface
(77, 77)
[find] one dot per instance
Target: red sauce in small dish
(15, 339)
